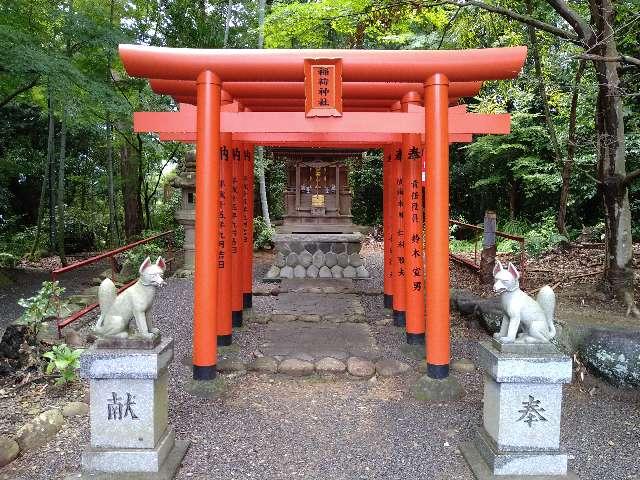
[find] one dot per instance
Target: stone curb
(296, 366)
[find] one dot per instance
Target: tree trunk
(513, 199)
(567, 165)
(264, 204)
(60, 195)
(611, 159)
(114, 237)
(113, 231)
(260, 164)
(51, 172)
(226, 24)
(130, 194)
(45, 174)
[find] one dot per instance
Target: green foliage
(133, 258)
(262, 234)
(365, 180)
(543, 237)
(64, 362)
(42, 305)
(8, 260)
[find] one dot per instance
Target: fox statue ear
(497, 268)
(161, 264)
(513, 271)
(145, 264)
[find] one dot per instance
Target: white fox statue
(520, 310)
(116, 311)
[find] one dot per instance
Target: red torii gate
(242, 98)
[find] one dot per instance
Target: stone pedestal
(129, 425)
(520, 433)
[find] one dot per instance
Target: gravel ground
(271, 427)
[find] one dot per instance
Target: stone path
(313, 307)
(319, 340)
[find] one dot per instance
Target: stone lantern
(186, 182)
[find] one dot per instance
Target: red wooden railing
(55, 274)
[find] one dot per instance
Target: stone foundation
(318, 256)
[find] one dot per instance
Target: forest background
(74, 177)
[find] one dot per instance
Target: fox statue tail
(546, 298)
(106, 296)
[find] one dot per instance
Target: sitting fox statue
(520, 311)
(116, 311)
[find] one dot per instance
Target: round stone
(343, 259)
(312, 271)
(264, 365)
(37, 432)
(354, 247)
(318, 259)
(292, 259)
(295, 367)
(286, 272)
(299, 271)
(330, 259)
(360, 367)
(338, 247)
(310, 246)
(329, 366)
(463, 365)
(324, 272)
(296, 247)
(280, 260)
(336, 271)
(75, 409)
(614, 356)
(390, 367)
(230, 365)
(362, 272)
(349, 272)
(356, 260)
(274, 272)
(9, 450)
(305, 258)
(324, 247)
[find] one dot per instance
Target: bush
(133, 258)
(543, 237)
(8, 260)
(262, 234)
(41, 306)
(365, 180)
(64, 362)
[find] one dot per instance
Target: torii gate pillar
(205, 307)
(437, 225)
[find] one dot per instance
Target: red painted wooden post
(236, 234)
(413, 227)
(387, 228)
(437, 226)
(205, 308)
(224, 258)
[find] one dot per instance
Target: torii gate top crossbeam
(357, 65)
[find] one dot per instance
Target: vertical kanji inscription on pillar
(323, 87)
